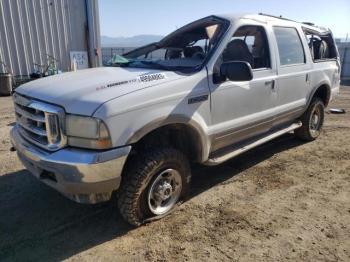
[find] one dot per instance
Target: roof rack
(308, 23)
(305, 23)
(278, 17)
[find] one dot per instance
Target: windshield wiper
(164, 67)
(152, 63)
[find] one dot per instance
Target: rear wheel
(312, 121)
(154, 184)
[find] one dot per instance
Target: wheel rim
(315, 121)
(164, 191)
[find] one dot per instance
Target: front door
(241, 110)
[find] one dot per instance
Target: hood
(82, 92)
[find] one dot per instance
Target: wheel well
(323, 93)
(179, 136)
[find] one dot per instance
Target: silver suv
(211, 90)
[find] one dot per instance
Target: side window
(289, 44)
(249, 44)
(321, 46)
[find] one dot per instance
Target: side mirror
(236, 71)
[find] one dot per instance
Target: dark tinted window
(289, 46)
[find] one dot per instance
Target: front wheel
(153, 185)
(312, 121)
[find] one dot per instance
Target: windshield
(184, 50)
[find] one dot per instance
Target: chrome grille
(40, 123)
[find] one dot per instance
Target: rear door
(293, 77)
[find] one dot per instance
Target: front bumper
(85, 176)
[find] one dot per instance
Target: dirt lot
(283, 201)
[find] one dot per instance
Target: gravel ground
(284, 201)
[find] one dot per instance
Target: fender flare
(314, 90)
(196, 127)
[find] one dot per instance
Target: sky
(161, 17)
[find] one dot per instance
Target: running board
(222, 158)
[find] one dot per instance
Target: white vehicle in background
(207, 92)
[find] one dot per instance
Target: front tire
(312, 121)
(152, 186)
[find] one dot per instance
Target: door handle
(307, 78)
(270, 83)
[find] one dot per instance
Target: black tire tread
(303, 132)
(135, 176)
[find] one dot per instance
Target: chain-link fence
(108, 52)
(344, 51)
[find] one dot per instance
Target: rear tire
(154, 183)
(312, 121)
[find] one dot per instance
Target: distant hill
(134, 41)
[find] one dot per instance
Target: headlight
(87, 132)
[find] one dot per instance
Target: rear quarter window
(321, 46)
(289, 44)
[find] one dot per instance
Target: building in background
(35, 33)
